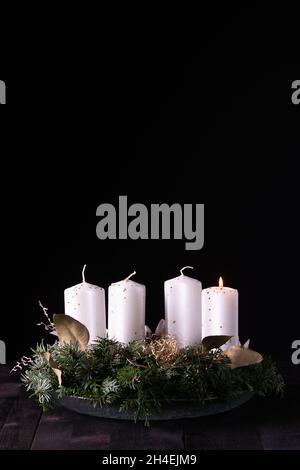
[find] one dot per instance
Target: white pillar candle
(126, 310)
(183, 309)
(220, 313)
(86, 303)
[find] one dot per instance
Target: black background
(173, 104)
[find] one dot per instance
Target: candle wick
(185, 267)
(83, 270)
(130, 275)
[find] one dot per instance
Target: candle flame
(221, 283)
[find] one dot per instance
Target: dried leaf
(70, 330)
(47, 356)
(161, 328)
(214, 342)
(53, 366)
(241, 357)
(148, 331)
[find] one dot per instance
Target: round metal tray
(173, 410)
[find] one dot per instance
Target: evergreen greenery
(135, 377)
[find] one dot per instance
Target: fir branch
(127, 376)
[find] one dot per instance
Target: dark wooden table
(259, 424)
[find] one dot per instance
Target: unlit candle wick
(185, 267)
(83, 270)
(130, 275)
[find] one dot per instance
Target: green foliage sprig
(143, 375)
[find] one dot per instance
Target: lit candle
(86, 303)
(126, 310)
(220, 313)
(183, 309)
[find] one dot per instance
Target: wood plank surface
(63, 429)
(19, 415)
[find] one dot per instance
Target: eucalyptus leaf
(70, 330)
(148, 331)
(161, 328)
(214, 342)
(241, 357)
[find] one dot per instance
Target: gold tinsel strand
(164, 350)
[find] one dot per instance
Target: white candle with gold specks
(126, 310)
(183, 309)
(86, 303)
(220, 313)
